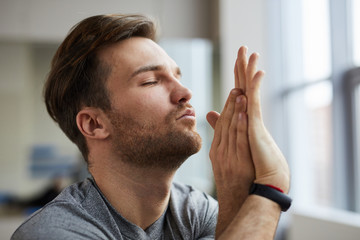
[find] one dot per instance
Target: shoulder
(193, 210)
(62, 218)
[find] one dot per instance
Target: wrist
(280, 180)
(273, 193)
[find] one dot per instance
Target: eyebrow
(152, 68)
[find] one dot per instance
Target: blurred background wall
(309, 50)
(30, 32)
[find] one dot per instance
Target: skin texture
(147, 107)
(150, 108)
(243, 152)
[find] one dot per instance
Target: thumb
(212, 118)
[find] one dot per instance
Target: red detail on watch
(276, 188)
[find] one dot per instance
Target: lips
(189, 113)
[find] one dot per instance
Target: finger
(226, 103)
(227, 114)
(242, 119)
(242, 128)
(242, 140)
(243, 147)
(251, 69)
(241, 65)
(254, 102)
(217, 136)
(233, 125)
(243, 103)
(212, 118)
(236, 74)
(221, 125)
(256, 81)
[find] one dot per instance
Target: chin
(195, 141)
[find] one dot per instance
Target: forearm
(243, 152)
(257, 219)
(230, 202)
(231, 159)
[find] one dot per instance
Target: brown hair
(77, 76)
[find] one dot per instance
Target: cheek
(151, 107)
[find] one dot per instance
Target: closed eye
(149, 83)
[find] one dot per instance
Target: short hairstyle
(77, 76)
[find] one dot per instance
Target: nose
(180, 93)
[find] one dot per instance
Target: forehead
(128, 55)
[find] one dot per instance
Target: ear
(92, 123)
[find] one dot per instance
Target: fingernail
(238, 99)
(243, 99)
(240, 116)
(234, 91)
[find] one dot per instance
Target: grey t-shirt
(82, 212)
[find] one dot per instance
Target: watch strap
(273, 194)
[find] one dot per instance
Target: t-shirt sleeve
(50, 233)
(193, 214)
(208, 218)
(62, 221)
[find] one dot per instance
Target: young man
(119, 97)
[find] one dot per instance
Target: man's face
(153, 124)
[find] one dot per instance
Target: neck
(140, 195)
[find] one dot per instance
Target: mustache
(180, 108)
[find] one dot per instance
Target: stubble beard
(165, 146)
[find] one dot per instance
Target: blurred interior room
(309, 49)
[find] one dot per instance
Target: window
(356, 30)
(356, 127)
(307, 96)
(309, 122)
(315, 40)
(320, 41)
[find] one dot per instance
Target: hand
(230, 152)
(230, 156)
(270, 164)
(243, 152)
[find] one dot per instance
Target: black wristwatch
(273, 194)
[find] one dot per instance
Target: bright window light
(316, 39)
(356, 31)
(309, 115)
(319, 95)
